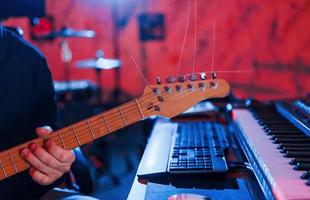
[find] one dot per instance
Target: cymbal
(68, 32)
(99, 63)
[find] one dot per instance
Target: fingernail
(24, 152)
(31, 171)
(48, 143)
(33, 146)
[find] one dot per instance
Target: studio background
(269, 38)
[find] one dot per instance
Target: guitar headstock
(179, 94)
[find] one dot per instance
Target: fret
(137, 103)
(2, 168)
(91, 130)
(119, 110)
(11, 158)
(76, 137)
(62, 142)
(106, 124)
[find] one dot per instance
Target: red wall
(269, 38)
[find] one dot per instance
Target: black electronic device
(198, 147)
(185, 148)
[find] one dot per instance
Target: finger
(47, 158)
(35, 162)
(39, 177)
(62, 155)
(43, 131)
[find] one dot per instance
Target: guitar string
(213, 48)
(135, 63)
(17, 164)
(185, 36)
(195, 36)
(118, 114)
(93, 126)
(130, 54)
(109, 117)
(73, 141)
(65, 130)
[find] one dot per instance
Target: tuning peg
(203, 76)
(213, 75)
(170, 79)
(168, 89)
(191, 87)
(178, 88)
(158, 80)
(156, 91)
(213, 85)
(181, 79)
(202, 86)
(157, 108)
(192, 77)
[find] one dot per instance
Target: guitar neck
(75, 135)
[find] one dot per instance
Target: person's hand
(48, 163)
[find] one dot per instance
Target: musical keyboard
(278, 151)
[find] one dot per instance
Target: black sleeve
(46, 104)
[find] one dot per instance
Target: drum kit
(98, 63)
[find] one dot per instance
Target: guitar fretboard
(75, 135)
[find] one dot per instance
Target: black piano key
(287, 136)
(297, 154)
(282, 145)
(302, 166)
(294, 161)
(285, 149)
(283, 132)
(292, 140)
(305, 175)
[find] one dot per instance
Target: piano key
(302, 166)
(294, 161)
(292, 140)
(282, 132)
(287, 136)
(297, 154)
(285, 149)
(305, 175)
(282, 145)
(285, 182)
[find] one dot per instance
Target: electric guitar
(166, 100)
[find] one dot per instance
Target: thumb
(43, 131)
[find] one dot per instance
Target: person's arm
(50, 162)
